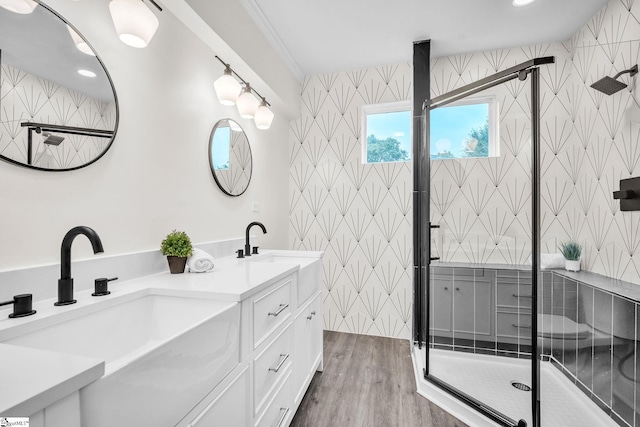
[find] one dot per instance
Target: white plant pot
(571, 265)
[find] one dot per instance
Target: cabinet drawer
(514, 295)
(514, 325)
(270, 311)
(279, 411)
(523, 277)
(270, 366)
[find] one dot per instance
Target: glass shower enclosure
(476, 243)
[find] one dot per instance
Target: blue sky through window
(395, 125)
(450, 126)
(220, 148)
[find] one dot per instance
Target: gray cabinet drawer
(514, 325)
(514, 295)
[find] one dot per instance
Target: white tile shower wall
(361, 214)
(28, 98)
(604, 146)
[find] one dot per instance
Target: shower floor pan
(489, 379)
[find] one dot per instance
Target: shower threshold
(490, 379)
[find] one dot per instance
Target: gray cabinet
(486, 308)
(462, 303)
(513, 309)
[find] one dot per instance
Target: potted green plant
(177, 247)
(571, 251)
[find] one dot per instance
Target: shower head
(610, 85)
(52, 139)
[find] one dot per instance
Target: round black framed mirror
(59, 109)
(230, 157)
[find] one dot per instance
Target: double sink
(161, 348)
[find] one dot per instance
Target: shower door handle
(432, 226)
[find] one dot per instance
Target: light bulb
(80, 43)
(227, 88)
(247, 103)
(264, 116)
(23, 7)
(135, 23)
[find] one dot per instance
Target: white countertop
(33, 379)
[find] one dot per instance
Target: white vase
(572, 265)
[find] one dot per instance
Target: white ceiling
(336, 35)
(39, 43)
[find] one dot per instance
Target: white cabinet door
(307, 345)
(230, 408)
(317, 330)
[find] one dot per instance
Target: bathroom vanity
(235, 347)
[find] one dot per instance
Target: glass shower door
(480, 289)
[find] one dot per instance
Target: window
(387, 132)
(465, 129)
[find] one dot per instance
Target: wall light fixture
(135, 23)
(231, 92)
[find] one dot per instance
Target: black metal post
(421, 93)
(535, 242)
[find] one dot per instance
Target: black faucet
(247, 247)
(65, 283)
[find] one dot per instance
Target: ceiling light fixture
(23, 7)
(230, 92)
(520, 3)
(80, 43)
(135, 23)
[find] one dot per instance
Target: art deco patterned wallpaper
(361, 214)
(25, 97)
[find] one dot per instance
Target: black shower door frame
(422, 225)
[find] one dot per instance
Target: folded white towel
(200, 261)
(549, 261)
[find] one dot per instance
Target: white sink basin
(284, 259)
(161, 352)
(310, 270)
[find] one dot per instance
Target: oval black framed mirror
(58, 109)
(230, 157)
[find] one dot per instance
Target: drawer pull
(284, 359)
(521, 326)
(522, 296)
(309, 317)
(313, 313)
(282, 308)
(284, 412)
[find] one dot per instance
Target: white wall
(156, 176)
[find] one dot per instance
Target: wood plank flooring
(367, 381)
